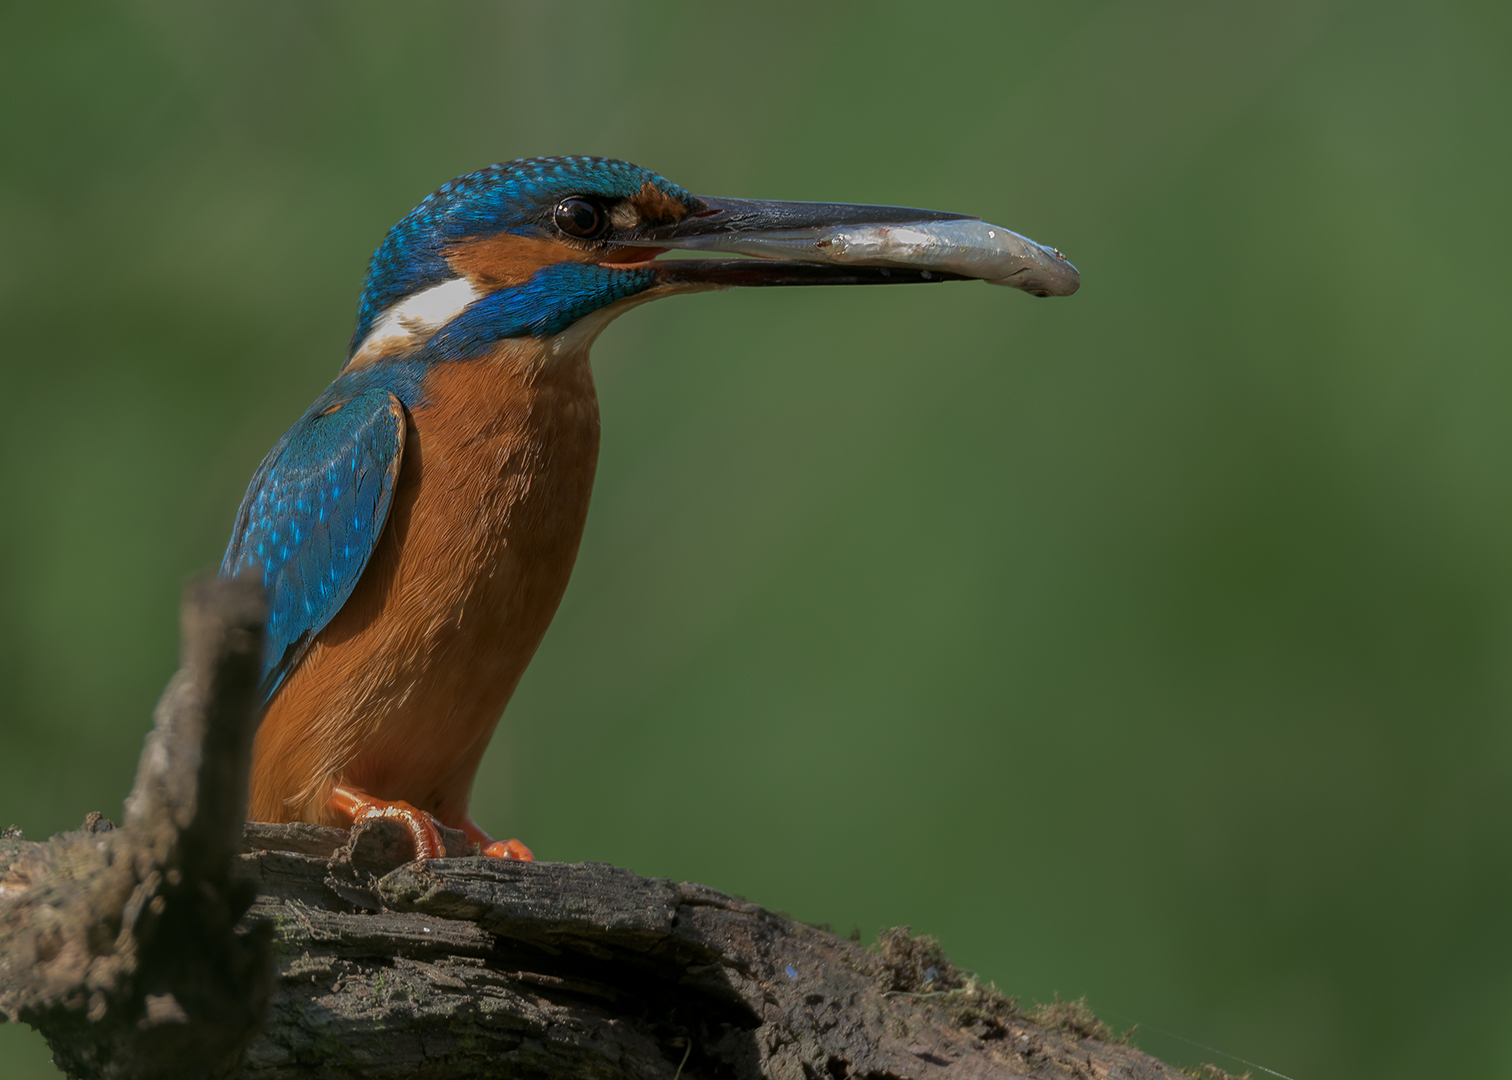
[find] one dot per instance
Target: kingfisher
(415, 529)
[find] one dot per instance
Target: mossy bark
(467, 967)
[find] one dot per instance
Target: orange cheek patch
(656, 207)
(506, 259)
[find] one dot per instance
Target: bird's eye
(579, 217)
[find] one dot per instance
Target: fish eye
(581, 218)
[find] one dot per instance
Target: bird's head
(534, 247)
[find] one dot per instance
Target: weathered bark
(133, 950)
(467, 967)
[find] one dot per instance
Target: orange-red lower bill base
(360, 807)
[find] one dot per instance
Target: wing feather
(312, 517)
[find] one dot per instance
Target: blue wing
(312, 516)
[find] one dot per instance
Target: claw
(421, 826)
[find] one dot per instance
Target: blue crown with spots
(512, 196)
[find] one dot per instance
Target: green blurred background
(1150, 645)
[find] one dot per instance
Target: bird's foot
(422, 827)
(494, 849)
(361, 807)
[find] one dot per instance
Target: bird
(415, 529)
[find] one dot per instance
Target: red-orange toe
(508, 849)
(360, 807)
(487, 845)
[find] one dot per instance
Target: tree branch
(121, 945)
(135, 952)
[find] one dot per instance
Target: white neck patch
(413, 320)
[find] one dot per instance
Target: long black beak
(798, 243)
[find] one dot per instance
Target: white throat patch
(414, 319)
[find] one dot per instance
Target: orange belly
(400, 692)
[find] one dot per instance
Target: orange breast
(401, 691)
